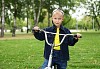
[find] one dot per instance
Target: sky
(79, 14)
(80, 11)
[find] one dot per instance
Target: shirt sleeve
(71, 39)
(39, 35)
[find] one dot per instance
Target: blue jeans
(56, 60)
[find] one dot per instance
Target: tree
(93, 7)
(2, 19)
(37, 5)
(15, 8)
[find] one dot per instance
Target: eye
(55, 18)
(59, 18)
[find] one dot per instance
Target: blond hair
(58, 10)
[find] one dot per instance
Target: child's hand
(78, 35)
(36, 28)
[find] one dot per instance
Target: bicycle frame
(52, 46)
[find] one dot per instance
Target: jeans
(56, 61)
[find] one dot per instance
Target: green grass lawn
(25, 52)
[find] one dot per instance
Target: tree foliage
(93, 7)
(38, 10)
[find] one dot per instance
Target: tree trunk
(27, 22)
(3, 20)
(34, 13)
(14, 26)
(95, 17)
(36, 16)
(97, 22)
(48, 19)
(49, 15)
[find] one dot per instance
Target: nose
(57, 20)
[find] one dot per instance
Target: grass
(25, 52)
(85, 54)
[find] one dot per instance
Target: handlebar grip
(78, 36)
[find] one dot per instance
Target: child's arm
(38, 34)
(72, 40)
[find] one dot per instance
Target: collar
(54, 27)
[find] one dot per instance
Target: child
(60, 53)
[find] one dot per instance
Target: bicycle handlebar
(64, 35)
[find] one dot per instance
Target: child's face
(57, 18)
